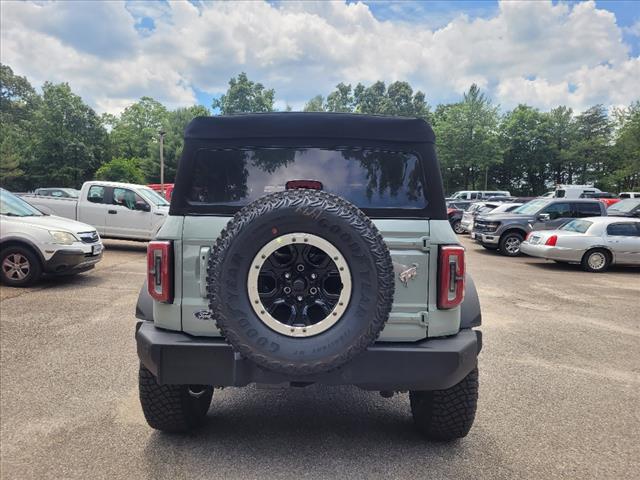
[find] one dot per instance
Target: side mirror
(543, 217)
(143, 206)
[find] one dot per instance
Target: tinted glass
(367, 178)
(588, 209)
(579, 226)
(96, 194)
(622, 230)
(558, 210)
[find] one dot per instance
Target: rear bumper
(551, 252)
(434, 364)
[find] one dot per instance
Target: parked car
(570, 191)
(478, 194)
(594, 242)
(629, 195)
(506, 231)
(116, 210)
(473, 211)
(287, 271)
(455, 210)
(605, 197)
(628, 207)
(57, 192)
(33, 244)
(168, 189)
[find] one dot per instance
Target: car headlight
(62, 238)
(492, 225)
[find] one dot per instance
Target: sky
(542, 53)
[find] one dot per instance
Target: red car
(168, 189)
(605, 197)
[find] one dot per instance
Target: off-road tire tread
(446, 415)
(170, 408)
(310, 199)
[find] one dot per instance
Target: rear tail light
(551, 241)
(528, 236)
(450, 276)
(160, 271)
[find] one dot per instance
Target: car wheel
(172, 408)
(596, 260)
(458, 228)
(510, 244)
(446, 414)
(283, 287)
(19, 267)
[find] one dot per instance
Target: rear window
(580, 226)
(369, 178)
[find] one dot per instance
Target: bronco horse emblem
(406, 273)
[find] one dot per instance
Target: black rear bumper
(433, 364)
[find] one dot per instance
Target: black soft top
(310, 125)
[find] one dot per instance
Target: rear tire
(172, 408)
(458, 228)
(446, 415)
(19, 266)
(510, 244)
(596, 260)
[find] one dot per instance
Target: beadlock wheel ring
(297, 239)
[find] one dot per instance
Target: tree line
(54, 138)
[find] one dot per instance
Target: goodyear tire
(300, 282)
(172, 408)
(446, 415)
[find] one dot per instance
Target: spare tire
(300, 282)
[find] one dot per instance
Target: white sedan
(594, 242)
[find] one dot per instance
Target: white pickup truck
(116, 210)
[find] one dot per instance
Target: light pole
(162, 134)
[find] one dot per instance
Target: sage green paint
(414, 314)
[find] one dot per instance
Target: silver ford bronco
(307, 248)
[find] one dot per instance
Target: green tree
(245, 96)
(562, 136)
(468, 140)
(341, 99)
(316, 104)
(626, 150)
(525, 133)
(121, 170)
(18, 103)
(590, 155)
(174, 125)
(69, 140)
(135, 133)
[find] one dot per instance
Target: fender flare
(144, 307)
(470, 314)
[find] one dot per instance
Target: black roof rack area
(311, 125)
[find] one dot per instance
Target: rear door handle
(113, 212)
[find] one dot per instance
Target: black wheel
(172, 408)
(446, 414)
(596, 260)
(300, 282)
(457, 227)
(510, 244)
(490, 247)
(19, 266)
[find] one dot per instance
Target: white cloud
(533, 52)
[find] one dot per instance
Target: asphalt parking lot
(559, 392)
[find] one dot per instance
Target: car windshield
(154, 197)
(579, 226)
(531, 207)
(13, 206)
(458, 194)
(72, 192)
(624, 206)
